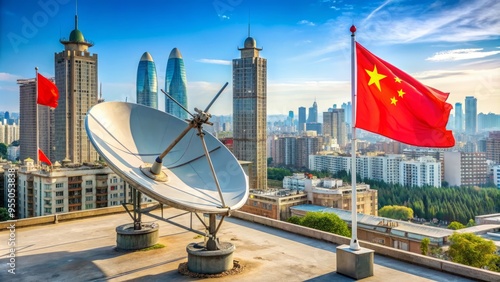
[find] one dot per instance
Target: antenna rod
(216, 96)
(178, 104)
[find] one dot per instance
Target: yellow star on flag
(394, 101)
(375, 77)
(397, 79)
(401, 93)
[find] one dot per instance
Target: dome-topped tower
(250, 43)
(76, 39)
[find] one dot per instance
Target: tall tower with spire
(176, 85)
(76, 79)
(250, 111)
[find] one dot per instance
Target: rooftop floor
(84, 249)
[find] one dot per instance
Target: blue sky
(453, 46)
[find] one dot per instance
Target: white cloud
(9, 77)
(214, 61)
(306, 22)
(463, 22)
(461, 54)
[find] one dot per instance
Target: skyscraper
(470, 115)
(459, 119)
(334, 125)
(302, 119)
(249, 111)
(176, 85)
(28, 123)
(147, 83)
(313, 113)
(76, 79)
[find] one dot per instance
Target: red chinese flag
(43, 158)
(393, 104)
(48, 95)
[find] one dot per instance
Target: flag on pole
(48, 95)
(43, 158)
(394, 104)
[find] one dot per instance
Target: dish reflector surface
(128, 135)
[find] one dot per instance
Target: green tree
(3, 150)
(471, 223)
(396, 212)
(295, 219)
(472, 250)
(455, 225)
(4, 214)
(424, 246)
(328, 222)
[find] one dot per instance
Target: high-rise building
(76, 79)
(470, 115)
(334, 125)
(250, 111)
(465, 169)
(176, 85)
(459, 118)
(28, 124)
(313, 113)
(426, 171)
(302, 119)
(147, 83)
(493, 147)
(348, 112)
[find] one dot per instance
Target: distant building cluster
(303, 188)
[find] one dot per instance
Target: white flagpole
(36, 116)
(354, 206)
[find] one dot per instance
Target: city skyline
(453, 47)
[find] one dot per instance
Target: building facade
(76, 79)
(470, 115)
(459, 118)
(29, 126)
(465, 169)
(334, 125)
(250, 111)
(67, 189)
(493, 147)
(302, 119)
(176, 85)
(425, 171)
(147, 82)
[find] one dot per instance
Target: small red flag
(48, 95)
(394, 104)
(43, 158)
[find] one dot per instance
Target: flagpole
(36, 116)
(354, 221)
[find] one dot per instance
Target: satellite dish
(131, 137)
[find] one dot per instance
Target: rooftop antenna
(76, 14)
(248, 22)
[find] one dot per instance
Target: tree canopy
(328, 222)
(472, 250)
(455, 225)
(396, 212)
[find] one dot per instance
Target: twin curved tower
(175, 83)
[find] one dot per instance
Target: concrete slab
(84, 249)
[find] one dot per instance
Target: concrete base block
(201, 260)
(355, 264)
(129, 239)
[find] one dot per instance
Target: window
(59, 209)
(59, 202)
(88, 182)
(59, 185)
(88, 190)
(48, 194)
(89, 198)
(59, 194)
(47, 186)
(89, 206)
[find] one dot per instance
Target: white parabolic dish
(128, 135)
